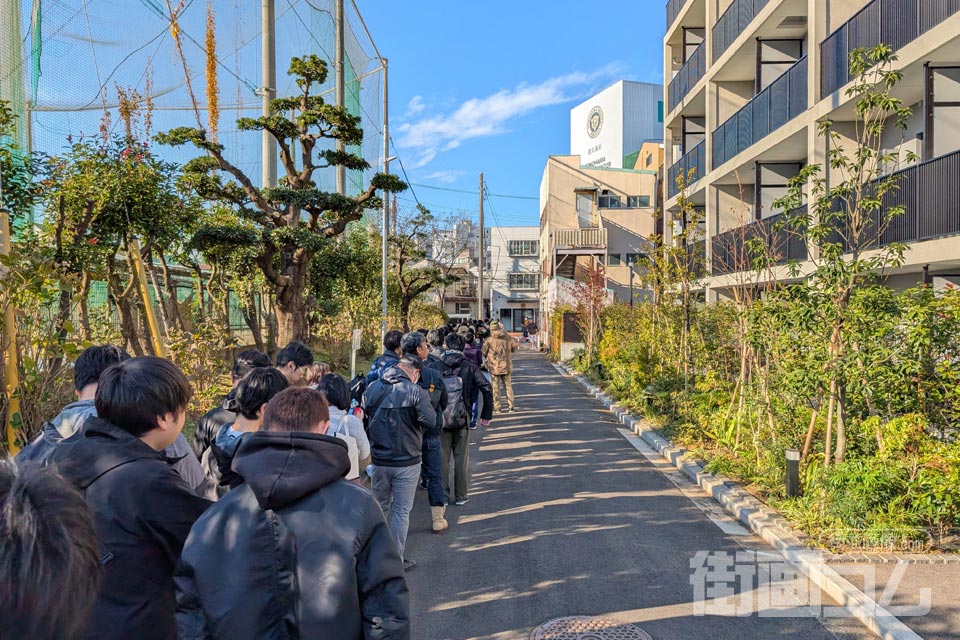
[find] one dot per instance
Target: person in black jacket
(400, 417)
(455, 443)
(389, 358)
(210, 423)
(297, 551)
(414, 344)
(142, 509)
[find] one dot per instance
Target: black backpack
(456, 416)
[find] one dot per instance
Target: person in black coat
(297, 551)
(142, 509)
(210, 423)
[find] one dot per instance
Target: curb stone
(769, 525)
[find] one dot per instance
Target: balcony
(732, 249)
(585, 241)
(733, 22)
(893, 22)
(674, 7)
(694, 163)
(463, 293)
(782, 101)
(687, 77)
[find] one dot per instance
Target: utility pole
(268, 59)
(481, 260)
(385, 231)
(341, 89)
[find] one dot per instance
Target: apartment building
(513, 281)
(592, 216)
(749, 80)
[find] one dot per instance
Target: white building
(612, 125)
(513, 281)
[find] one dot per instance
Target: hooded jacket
(309, 554)
(498, 353)
(472, 353)
(71, 419)
(400, 417)
(210, 422)
(217, 463)
(473, 379)
(142, 512)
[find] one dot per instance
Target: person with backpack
(345, 425)
(498, 358)
(460, 377)
(415, 344)
(387, 359)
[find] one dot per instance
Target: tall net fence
(63, 61)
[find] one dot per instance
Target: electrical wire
(493, 195)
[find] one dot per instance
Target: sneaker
(511, 410)
(460, 503)
(409, 564)
(473, 427)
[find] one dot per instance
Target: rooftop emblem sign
(595, 122)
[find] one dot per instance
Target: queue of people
(287, 518)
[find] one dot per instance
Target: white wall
(630, 117)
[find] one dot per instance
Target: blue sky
(487, 86)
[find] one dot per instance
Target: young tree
(847, 218)
(291, 221)
(590, 299)
(413, 273)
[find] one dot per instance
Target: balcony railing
(688, 76)
(674, 7)
(697, 258)
(782, 101)
(733, 22)
(594, 238)
(892, 22)
(733, 250)
(692, 166)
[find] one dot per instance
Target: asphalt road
(567, 518)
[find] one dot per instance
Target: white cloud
(447, 176)
(415, 106)
(489, 116)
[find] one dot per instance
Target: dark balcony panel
(674, 7)
(733, 22)
(904, 227)
(692, 167)
(687, 77)
(797, 89)
(939, 202)
(893, 22)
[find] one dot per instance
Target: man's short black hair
(248, 360)
(470, 336)
(391, 341)
(295, 352)
(422, 332)
(434, 338)
(256, 389)
(334, 388)
(454, 341)
(49, 556)
(411, 342)
(133, 394)
(93, 361)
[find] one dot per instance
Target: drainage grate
(587, 628)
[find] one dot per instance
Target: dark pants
(456, 445)
(430, 471)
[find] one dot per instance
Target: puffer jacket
(474, 382)
(309, 555)
(72, 418)
(400, 417)
(498, 353)
(142, 512)
(472, 354)
(217, 463)
(210, 422)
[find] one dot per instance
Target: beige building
(749, 79)
(591, 216)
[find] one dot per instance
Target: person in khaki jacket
(498, 358)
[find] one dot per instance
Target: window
(634, 259)
(524, 281)
(609, 200)
(614, 260)
(637, 202)
(524, 247)
(585, 209)
(649, 160)
(464, 308)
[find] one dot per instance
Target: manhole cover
(586, 628)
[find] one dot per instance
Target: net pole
(340, 65)
(10, 372)
(385, 231)
(269, 91)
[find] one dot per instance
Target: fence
(580, 238)
(687, 77)
(732, 252)
(691, 167)
(783, 100)
(733, 22)
(674, 7)
(892, 22)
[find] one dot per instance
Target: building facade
(592, 217)
(749, 82)
(513, 280)
(607, 130)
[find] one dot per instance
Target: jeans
(456, 445)
(395, 488)
(507, 380)
(430, 471)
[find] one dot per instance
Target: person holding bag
(345, 425)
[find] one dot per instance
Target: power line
(404, 171)
(493, 195)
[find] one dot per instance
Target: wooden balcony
(588, 241)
